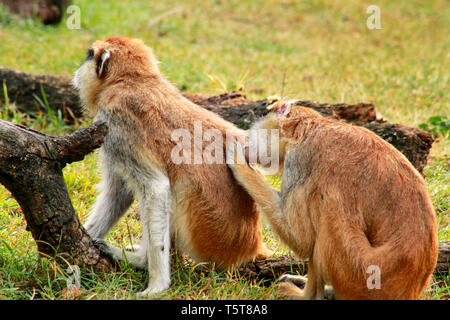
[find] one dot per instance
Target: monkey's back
(219, 218)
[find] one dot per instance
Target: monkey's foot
(299, 281)
(287, 282)
(290, 290)
(264, 253)
(155, 288)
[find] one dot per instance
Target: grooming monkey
(350, 203)
(202, 207)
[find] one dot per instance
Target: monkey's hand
(267, 198)
(237, 161)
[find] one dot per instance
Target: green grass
(320, 51)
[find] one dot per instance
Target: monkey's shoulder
(298, 166)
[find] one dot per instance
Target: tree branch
(31, 166)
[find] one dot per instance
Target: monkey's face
(111, 61)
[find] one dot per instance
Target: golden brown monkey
(200, 205)
(350, 203)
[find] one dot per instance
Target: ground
(321, 51)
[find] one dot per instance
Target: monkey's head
(113, 60)
(289, 110)
(282, 118)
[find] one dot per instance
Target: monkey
(350, 203)
(201, 207)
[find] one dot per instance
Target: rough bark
(443, 263)
(48, 11)
(414, 143)
(273, 268)
(31, 166)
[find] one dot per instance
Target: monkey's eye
(90, 54)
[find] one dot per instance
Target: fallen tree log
(31, 168)
(26, 90)
(443, 263)
(235, 107)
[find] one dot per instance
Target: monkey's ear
(103, 63)
(284, 109)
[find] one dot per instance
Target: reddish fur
(222, 221)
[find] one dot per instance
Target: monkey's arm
(273, 205)
(267, 198)
(269, 201)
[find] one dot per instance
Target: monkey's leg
(154, 251)
(314, 288)
(113, 201)
(155, 207)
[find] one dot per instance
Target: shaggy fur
(208, 214)
(349, 200)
